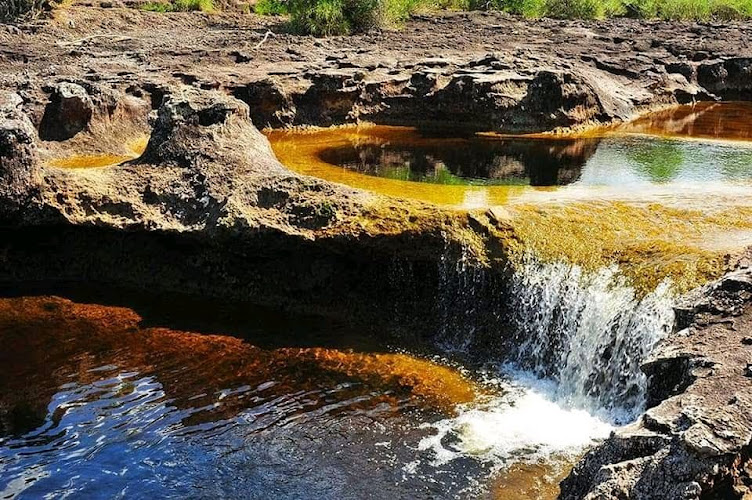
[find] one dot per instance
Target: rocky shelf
(207, 209)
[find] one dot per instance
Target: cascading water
(574, 373)
(589, 333)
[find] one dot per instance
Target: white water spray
(581, 338)
(589, 333)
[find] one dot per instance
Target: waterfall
(589, 333)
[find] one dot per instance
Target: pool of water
(686, 148)
(99, 401)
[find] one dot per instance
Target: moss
(649, 242)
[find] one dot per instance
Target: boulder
(68, 112)
(20, 175)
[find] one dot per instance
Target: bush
(23, 10)
(271, 7)
(180, 6)
(335, 17)
(341, 17)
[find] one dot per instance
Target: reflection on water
(708, 120)
(486, 170)
(469, 161)
(95, 403)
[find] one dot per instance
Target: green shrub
(271, 7)
(22, 10)
(340, 17)
(335, 17)
(393, 12)
(156, 7)
(180, 6)
(574, 9)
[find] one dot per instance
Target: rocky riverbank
(485, 71)
(695, 440)
(208, 210)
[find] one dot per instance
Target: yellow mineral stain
(134, 148)
(90, 161)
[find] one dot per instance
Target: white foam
(523, 425)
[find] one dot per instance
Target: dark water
(471, 161)
(98, 402)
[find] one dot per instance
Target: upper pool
(681, 149)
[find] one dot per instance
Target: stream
(116, 394)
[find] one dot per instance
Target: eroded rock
(701, 419)
(20, 176)
(69, 112)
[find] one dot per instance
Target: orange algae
(42, 334)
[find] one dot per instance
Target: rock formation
(695, 440)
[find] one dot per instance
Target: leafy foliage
(340, 17)
(180, 6)
(271, 7)
(23, 10)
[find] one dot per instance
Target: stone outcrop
(208, 210)
(480, 71)
(694, 442)
(20, 174)
(69, 112)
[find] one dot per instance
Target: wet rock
(699, 388)
(729, 79)
(69, 112)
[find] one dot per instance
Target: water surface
(98, 401)
(653, 153)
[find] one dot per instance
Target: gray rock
(20, 176)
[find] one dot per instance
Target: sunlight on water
(97, 405)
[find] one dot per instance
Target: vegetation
(339, 17)
(23, 10)
(180, 6)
